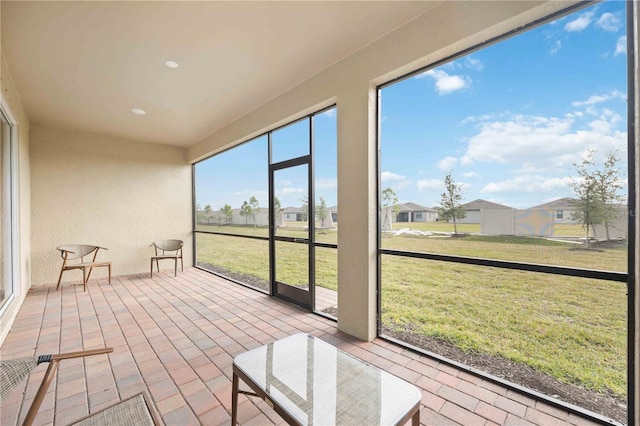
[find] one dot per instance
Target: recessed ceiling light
(138, 111)
(172, 64)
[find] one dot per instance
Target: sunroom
(276, 139)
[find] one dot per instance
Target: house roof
(481, 204)
(560, 203)
(293, 210)
(413, 207)
(107, 58)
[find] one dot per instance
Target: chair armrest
(88, 352)
(48, 377)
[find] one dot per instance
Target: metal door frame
(305, 298)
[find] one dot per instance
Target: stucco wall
(12, 104)
(116, 193)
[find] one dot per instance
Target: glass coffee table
(310, 382)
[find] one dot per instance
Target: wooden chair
(135, 410)
(80, 251)
(167, 249)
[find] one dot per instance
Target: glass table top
(316, 383)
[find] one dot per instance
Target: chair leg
(181, 264)
(42, 390)
(109, 273)
(89, 275)
(151, 268)
(84, 277)
(59, 278)
(175, 267)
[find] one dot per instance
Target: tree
(321, 211)
(596, 190)
(277, 211)
(305, 208)
(450, 202)
(227, 212)
(389, 204)
(200, 217)
(245, 211)
(277, 205)
(255, 208)
(208, 214)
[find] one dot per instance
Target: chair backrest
(169, 245)
(76, 251)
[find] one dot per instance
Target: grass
(251, 257)
(571, 328)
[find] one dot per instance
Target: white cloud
(429, 184)
(533, 184)
(447, 163)
(446, 83)
(474, 118)
(326, 183)
(470, 175)
(329, 113)
(394, 180)
(576, 114)
(605, 122)
(291, 190)
(591, 110)
(549, 143)
(580, 23)
(555, 48)
(597, 99)
(388, 176)
(621, 46)
(475, 64)
(609, 22)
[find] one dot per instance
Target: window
(231, 190)
(418, 215)
(500, 154)
(6, 209)
(232, 209)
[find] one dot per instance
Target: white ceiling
(85, 65)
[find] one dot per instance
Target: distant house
(561, 212)
(334, 213)
(412, 212)
(475, 208)
(562, 209)
(294, 214)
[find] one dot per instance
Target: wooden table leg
(415, 420)
(234, 400)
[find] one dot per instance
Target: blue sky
(508, 121)
(242, 172)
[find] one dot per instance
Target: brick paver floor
(175, 337)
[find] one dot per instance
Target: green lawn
(571, 328)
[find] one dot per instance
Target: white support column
(357, 209)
